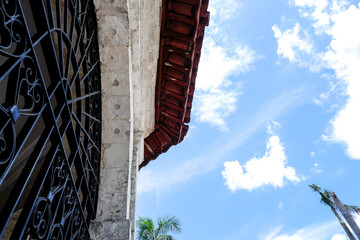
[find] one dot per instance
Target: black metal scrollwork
(29, 88)
(13, 43)
(12, 31)
(50, 118)
(57, 210)
(41, 217)
(25, 99)
(24, 92)
(7, 137)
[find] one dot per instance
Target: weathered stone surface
(150, 15)
(112, 230)
(112, 29)
(110, 83)
(138, 156)
(117, 107)
(111, 155)
(116, 131)
(115, 59)
(116, 211)
(107, 7)
(128, 35)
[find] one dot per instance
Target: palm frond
(326, 198)
(165, 237)
(354, 209)
(167, 224)
(328, 193)
(315, 188)
(145, 228)
(325, 195)
(145, 235)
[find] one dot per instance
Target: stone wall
(128, 34)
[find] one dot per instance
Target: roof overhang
(182, 31)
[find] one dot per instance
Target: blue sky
(277, 107)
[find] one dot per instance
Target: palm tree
(345, 211)
(326, 198)
(146, 229)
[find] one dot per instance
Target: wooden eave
(181, 36)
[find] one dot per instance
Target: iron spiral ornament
(50, 118)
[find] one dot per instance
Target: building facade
(90, 92)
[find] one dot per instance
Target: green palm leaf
(146, 229)
(353, 209)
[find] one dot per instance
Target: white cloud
(215, 106)
(217, 64)
(178, 171)
(271, 169)
(339, 237)
(344, 57)
(222, 10)
(336, 90)
(316, 169)
(270, 128)
(280, 205)
(323, 231)
(320, 12)
(339, 21)
(316, 12)
(290, 44)
(215, 94)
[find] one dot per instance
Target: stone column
(129, 32)
(112, 219)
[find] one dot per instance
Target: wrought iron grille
(50, 118)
